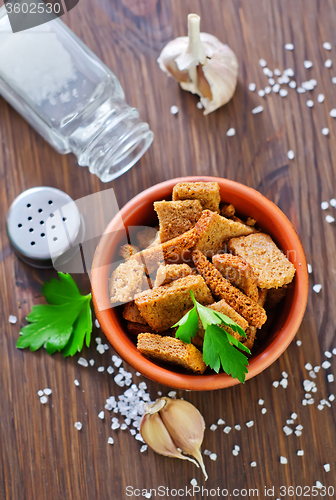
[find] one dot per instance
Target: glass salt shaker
(70, 97)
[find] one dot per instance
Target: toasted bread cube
(227, 210)
(238, 272)
(136, 328)
(224, 308)
(251, 331)
(275, 295)
(250, 222)
(171, 272)
(165, 305)
(222, 289)
(147, 237)
(176, 217)
(269, 264)
(132, 313)
(214, 230)
(171, 350)
(127, 251)
(206, 192)
(127, 280)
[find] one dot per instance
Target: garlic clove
(156, 436)
(186, 426)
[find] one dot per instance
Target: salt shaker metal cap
(40, 231)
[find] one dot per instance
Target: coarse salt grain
(220, 421)
(330, 219)
(261, 93)
(324, 205)
(237, 427)
(289, 46)
(298, 433)
(171, 394)
(326, 467)
(12, 319)
(92, 362)
(271, 81)
(290, 154)
(276, 88)
(303, 402)
(253, 464)
(263, 411)
(43, 399)
(289, 421)
(76, 382)
(262, 63)
(213, 456)
(317, 369)
(292, 84)
(100, 369)
(78, 425)
(250, 423)
(261, 402)
(327, 45)
(294, 416)
(174, 110)
(268, 89)
(312, 374)
(333, 113)
(283, 92)
(98, 340)
(275, 383)
(325, 131)
(307, 64)
(333, 80)
(258, 109)
(101, 415)
(310, 103)
(235, 453)
(330, 377)
(40, 393)
(227, 429)
(299, 342)
(334, 351)
(320, 98)
(116, 361)
(207, 453)
(284, 79)
(277, 72)
(300, 90)
(199, 105)
(331, 397)
(317, 288)
(213, 427)
(100, 348)
(268, 72)
(319, 484)
(193, 482)
(287, 430)
(333, 202)
(252, 87)
(237, 448)
(283, 460)
(110, 440)
(97, 323)
(83, 362)
(308, 366)
(231, 132)
(284, 374)
(289, 72)
(328, 63)
(327, 354)
(110, 370)
(326, 364)
(300, 453)
(284, 383)
(47, 391)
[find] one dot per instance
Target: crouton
(250, 222)
(269, 264)
(275, 295)
(222, 289)
(214, 230)
(176, 217)
(165, 305)
(227, 210)
(146, 237)
(136, 328)
(127, 251)
(224, 308)
(251, 331)
(238, 272)
(206, 192)
(132, 313)
(171, 350)
(171, 272)
(127, 280)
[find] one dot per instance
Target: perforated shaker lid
(40, 231)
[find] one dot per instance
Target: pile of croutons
(199, 246)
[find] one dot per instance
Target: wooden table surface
(43, 456)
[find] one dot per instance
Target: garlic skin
(170, 425)
(202, 65)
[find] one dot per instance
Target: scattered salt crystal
(268, 72)
(298, 433)
(287, 430)
(333, 80)
(284, 383)
(284, 374)
(317, 288)
(106, 347)
(138, 375)
(100, 348)
(110, 440)
(148, 494)
(262, 63)
(123, 427)
(268, 89)
(101, 415)
(327, 354)
(300, 90)
(263, 411)
(235, 453)
(289, 421)
(307, 396)
(47, 392)
(290, 154)
(292, 84)
(253, 464)
(116, 361)
(330, 219)
(12, 319)
(261, 93)
(78, 425)
(115, 426)
(250, 423)
(334, 351)
(310, 103)
(76, 382)
(326, 467)
(92, 362)
(101, 369)
(277, 72)
(319, 484)
(283, 92)
(97, 323)
(83, 362)
(237, 448)
(40, 393)
(288, 72)
(231, 132)
(110, 370)
(331, 397)
(276, 88)
(289, 46)
(207, 453)
(308, 366)
(284, 79)
(307, 64)
(283, 460)
(252, 87)
(193, 482)
(333, 202)
(330, 377)
(271, 81)
(227, 429)
(261, 402)
(220, 421)
(275, 383)
(258, 109)
(294, 416)
(310, 401)
(327, 45)
(199, 105)
(138, 437)
(237, 427)
(300, 453)
(133, 432)
(299, 342)
(174, 110)
(312, 374)
(326, 364)
(142, 386)
(304, 402)
(98, 340)
(317, 369)
(325, 131)
(324, 205)
(333, 113)
(171, 394)
(213, 427)
(328, 63)
(213, 456)
(43, 399)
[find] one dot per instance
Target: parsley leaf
(61, 325)
(219, 347)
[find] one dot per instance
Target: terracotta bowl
(139, 212)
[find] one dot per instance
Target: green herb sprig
(61, 325)
(219, 347)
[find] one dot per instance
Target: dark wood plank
(42, 455)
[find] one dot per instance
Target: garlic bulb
(170, 425)
(202, 65)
